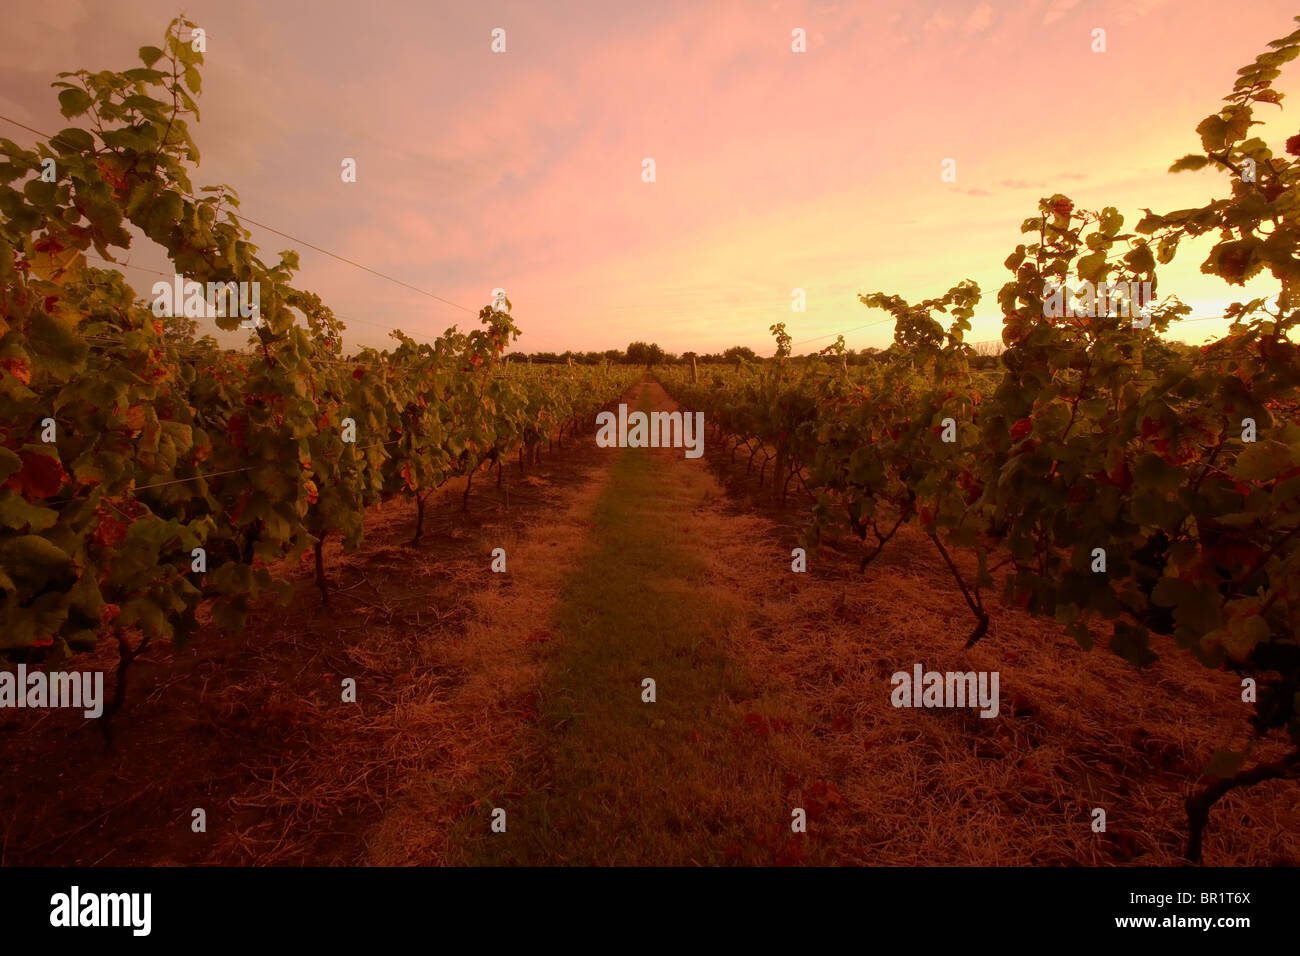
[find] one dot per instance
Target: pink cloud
(774, 169)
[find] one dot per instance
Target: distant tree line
(986, 356)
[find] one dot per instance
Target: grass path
(609, 778)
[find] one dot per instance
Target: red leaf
(1021, 428)
(41, 476)
(1119, 476)
(110, 532)
(18, 369)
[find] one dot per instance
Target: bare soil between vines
(449, 659)
(250, 727)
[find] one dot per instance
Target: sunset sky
(775, 169)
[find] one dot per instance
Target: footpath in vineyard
(608, 777)
(772, 693)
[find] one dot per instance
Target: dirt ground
(251, 727)
(452, 661)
